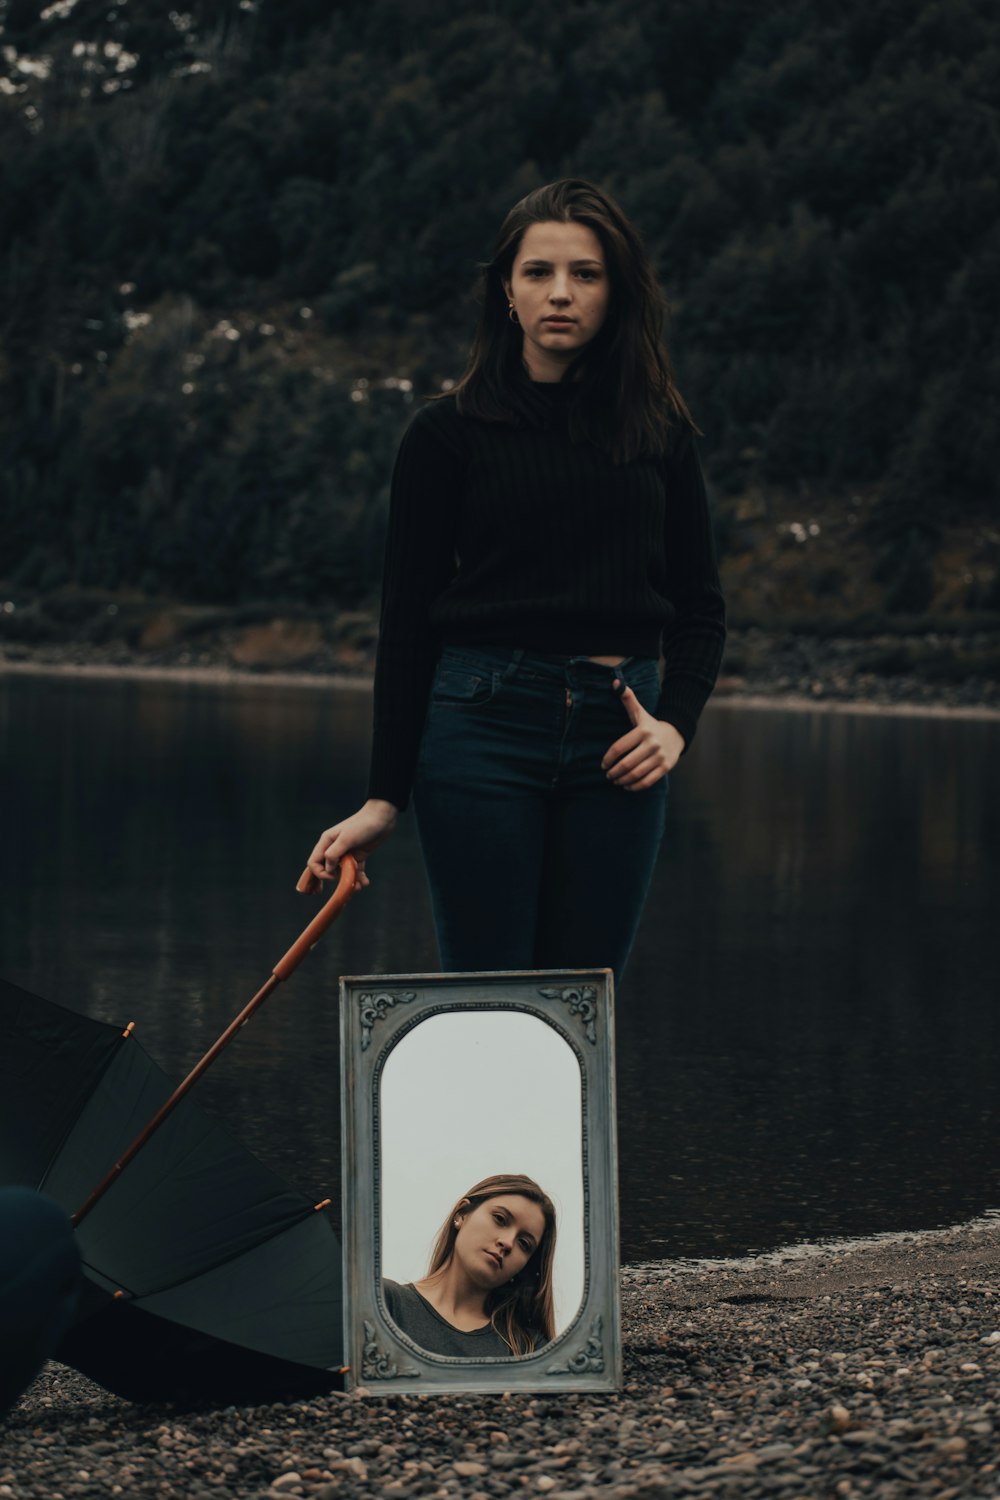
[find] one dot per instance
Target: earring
(512, 311)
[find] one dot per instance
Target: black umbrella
(206, 1275)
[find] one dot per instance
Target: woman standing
(548, 537)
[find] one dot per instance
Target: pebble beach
(868, 1368)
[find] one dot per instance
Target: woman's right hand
(359, 835)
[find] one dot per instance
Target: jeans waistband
(509, 661)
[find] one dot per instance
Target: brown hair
(627, 401)
(522, 1311)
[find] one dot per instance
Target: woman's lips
(495, 1259)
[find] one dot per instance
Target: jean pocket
(645, 684)
(463, 688)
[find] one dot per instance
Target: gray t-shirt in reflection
(426, 1327)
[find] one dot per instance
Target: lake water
(808, 1036)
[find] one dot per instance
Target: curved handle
(308, 882)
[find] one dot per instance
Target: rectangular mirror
(480, 1219)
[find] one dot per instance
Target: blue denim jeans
(534, 859)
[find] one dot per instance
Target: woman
(548, 536)
(488, 1290)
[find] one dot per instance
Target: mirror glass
(467, 1095)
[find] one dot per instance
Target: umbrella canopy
(207, 1275)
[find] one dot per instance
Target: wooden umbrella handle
(308, 883)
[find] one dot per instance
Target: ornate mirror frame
(376, 1012)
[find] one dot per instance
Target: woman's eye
(526, 1246)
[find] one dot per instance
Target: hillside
(239, 242)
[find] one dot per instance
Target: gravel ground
(861, 1369)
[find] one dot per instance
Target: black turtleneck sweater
(518, 536)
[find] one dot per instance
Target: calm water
(809, 1041)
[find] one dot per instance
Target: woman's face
(560, 290)
(496, 1239)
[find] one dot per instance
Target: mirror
(468, 1096)
(500, 1085)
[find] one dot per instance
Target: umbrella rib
(89, 1266)
(76, 1118)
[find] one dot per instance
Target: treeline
(240, 240)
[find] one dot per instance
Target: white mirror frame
(376, 1012)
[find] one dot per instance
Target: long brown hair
(626, 399)
(522, 1311)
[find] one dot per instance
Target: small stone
(545, 1482)
(499, 1437)
(861, 1436)
(840, 1418)
(354, 1466)
(774, 1450)
(969, 1368)
(953, 1447)
(991, 1338)
(469, 1469)
(286, 1481)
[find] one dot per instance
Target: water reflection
(807, 1038)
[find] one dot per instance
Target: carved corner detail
(581, 1001)
(376, 1364)
(373, 1007)
(587, 1361)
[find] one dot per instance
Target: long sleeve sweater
(518, 536)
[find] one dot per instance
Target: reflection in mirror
(482, 1216)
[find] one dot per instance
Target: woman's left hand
(642, 757)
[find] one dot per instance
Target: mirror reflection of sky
(463, 1097)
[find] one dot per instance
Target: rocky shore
(842, 1370)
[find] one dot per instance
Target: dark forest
(239, 242)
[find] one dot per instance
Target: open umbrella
(206, 1275)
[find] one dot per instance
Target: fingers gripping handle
(323, 918)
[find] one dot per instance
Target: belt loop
(623, 669)
(516, 658)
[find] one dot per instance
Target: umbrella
(207, 1276)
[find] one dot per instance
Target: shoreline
(839, 1369)
(217, 675)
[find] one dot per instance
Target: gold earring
(512, 311)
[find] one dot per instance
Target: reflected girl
(487, 1293)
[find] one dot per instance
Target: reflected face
(498, 1238)
(560, 289)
